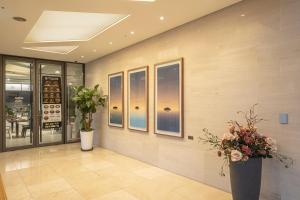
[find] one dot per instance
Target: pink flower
(246, 150)
(242, 132)
(248, 140)
(236, 155)
(245, 158)
(262, 152)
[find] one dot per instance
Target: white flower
(229, 136)
(272, 144)
(274, 149)
(236, 155)
(270, 141)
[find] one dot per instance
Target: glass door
(51, 90)
(74, 77)
(36, 104)
(18, 103)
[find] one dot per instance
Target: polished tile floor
(64, 172)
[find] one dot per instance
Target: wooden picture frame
(137, 99)
(116, 100)
(168, 98)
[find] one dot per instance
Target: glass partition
(74, 77)
(36, 104)
(18, 99)
(51, 103)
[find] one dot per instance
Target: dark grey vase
(245, 179)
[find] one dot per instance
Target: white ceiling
(144, 21)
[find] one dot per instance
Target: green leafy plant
(9, 111)
(87, 100)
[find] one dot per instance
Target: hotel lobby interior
(149, 99)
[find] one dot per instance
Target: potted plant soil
(243, 148)
(87, 100)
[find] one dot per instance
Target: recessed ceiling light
(95, 50)
(243, 15)
(162, 18)
(57, 72)
(132, 32)
(19, 19)
(110, 43)
(53, 49)
(81, 56)
(8, 79)
(61, 26)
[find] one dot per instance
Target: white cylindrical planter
(86, 138)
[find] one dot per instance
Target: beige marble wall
(231, 62)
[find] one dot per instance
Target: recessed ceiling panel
(53, 49)
(60, 26)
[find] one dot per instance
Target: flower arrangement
(243, 142)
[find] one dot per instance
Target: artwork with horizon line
(115, 108)
(138, 99)
(169, 98)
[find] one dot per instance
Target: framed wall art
(116, 100)
(168, 98)
(137, 93)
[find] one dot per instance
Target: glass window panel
(74, 78)
(51, 83)
(18, 109)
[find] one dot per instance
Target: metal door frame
(3, 122)
(35, 98)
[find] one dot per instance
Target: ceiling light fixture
(110, 43)
(132, 32)
(57, 72)
(95, 50)
(243, 15)
(162, 18)
(53, 49)
(61, 26)
(81, 56)
(19, 19)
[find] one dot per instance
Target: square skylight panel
(53, 49)
(61, 26)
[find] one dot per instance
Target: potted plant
(9, 112)
(87, 100)
(243, 148)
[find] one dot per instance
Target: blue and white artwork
(115, 85)
(168, 99)
(138, 99)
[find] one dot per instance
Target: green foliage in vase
(87, 100)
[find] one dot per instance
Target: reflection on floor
(48, 137)
(64, 172)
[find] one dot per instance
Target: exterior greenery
(87, 100)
